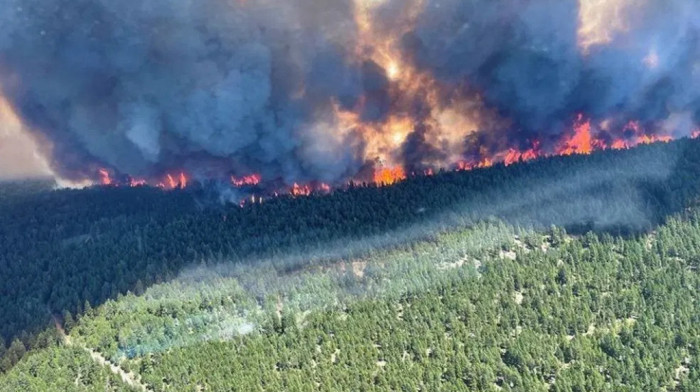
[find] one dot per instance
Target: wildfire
(389, 176)
(446, 120)
(251, 180)
(300, 190)
(584, 138)
(515, 156)
(404, 110)
(637, 137)
(134, 182)
(444, 124)
(325, 188)
(581, 142)
(172, 181)
(471, 165)
(105, 177)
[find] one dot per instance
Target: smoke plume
(301, 91)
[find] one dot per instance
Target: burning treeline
(302, 96)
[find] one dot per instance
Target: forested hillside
(484, 309)
(357, 288)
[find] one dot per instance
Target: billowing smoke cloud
(541, 62)
(303, 91)
(143, 86)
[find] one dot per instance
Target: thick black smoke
(234, 87)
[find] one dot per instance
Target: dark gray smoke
(526, 58)
(233, 87)
(144, 86)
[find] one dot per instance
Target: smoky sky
(525, 57)
(140, 85)
(251, 85)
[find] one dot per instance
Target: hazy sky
(18, 155)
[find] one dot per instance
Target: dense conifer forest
(571, 273)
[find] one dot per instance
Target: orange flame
(251, 180)
(300, 190)
(323, 187)
(134, 182)
(389, 176)
(514, 156)
(638, 137)
(471, 165)
(105, 177)
(446, 122)
(581, 142)
(584, 138)
(174, 182)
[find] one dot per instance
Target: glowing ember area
(325, 188)
(637, 137)
(174, 181)
(300, 190)
(388, 176)
(581, 142)
(251, 180)
(584, 139)
(105, 177)
(515, 156)
(134, 182)
(471, 165)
